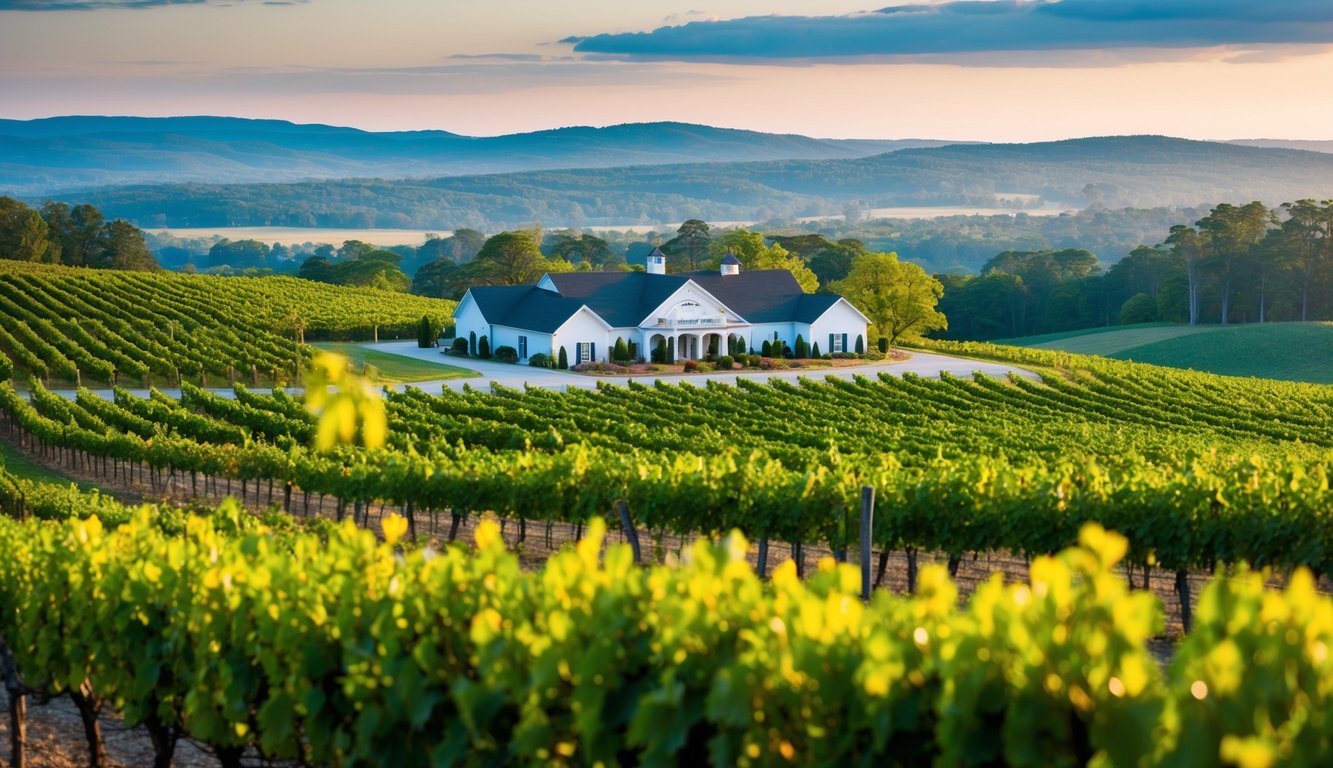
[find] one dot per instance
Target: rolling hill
(38, 157)
(1286, 351)
(1124, 171)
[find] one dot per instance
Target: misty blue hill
(1110, 172)
(1313, 145)
(38, 157)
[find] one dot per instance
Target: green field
(1285, 351)
(394, 369)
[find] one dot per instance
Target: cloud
(96, 5)
(965, 27)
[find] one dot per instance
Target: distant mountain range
(38, 157)
(1115, 172)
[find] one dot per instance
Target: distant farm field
(1286, 351)
(300, 235)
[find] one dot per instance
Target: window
(837, 342)
(522, 347)
(583, 352)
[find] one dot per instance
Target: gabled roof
(758, 295)
(622, 299)
(524, 306)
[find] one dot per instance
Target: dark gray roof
(813, 305)
(524, 306)
(730, 260)
(758, 295)
(624, 299)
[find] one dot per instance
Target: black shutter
(592, 352)
(844, 343)
(831, 347)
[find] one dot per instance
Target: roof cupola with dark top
(730, 264)
(657, 262)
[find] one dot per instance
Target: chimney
(730, 264)
(657, 262)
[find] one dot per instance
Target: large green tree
(122, 246)
(688, 250)
(1232, 233)
(749, 248)
(513, 258)
(24, 236)
(898, 296)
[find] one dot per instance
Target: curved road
(927, 364)
(516, 376)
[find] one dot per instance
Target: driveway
(927, 364)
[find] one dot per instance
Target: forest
(1116, 172)
(1237, 264)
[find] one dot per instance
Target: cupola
(730, 264)
(657, 262)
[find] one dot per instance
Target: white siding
(508, 337)
(583, 326)
(468, 320)
(840, 318)
(761, 332)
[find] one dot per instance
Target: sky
(994, 70)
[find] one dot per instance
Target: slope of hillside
(1286, 351)
(81, 326)
(39, 156)
(1127, 171)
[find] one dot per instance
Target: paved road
(516, 376)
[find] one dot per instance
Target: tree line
(1238, 264)
(79, 236)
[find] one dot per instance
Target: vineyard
(72, 326)
(329, 646)
(389, 646)
(1194, 469)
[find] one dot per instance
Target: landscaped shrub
(428, 333)
(563, 363)
(883, 345)
(725, 363)
(767, 349)
(539, 360)
(506, 354)
(460, 346)
(484, 348)
(860, 344)
(802, 350)
(814, 350)
(620, 352)
(472, 343)
(691, 366)
(596, 366)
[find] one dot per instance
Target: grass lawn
(1109, 341)
(394, 369)
(21, 466)
(1288, 351)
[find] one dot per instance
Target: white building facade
(694, 315)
